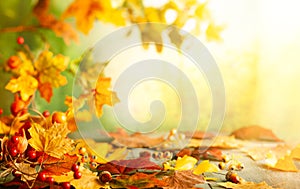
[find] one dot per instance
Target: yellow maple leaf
(205, 166)
(49, 68)
(25, 84)
(53, 140)
(104, 95)
(4, 129)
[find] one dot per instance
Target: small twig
(19, 29)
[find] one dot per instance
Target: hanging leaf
(104, 95)
(255, 132)
(47, 20)
(25, 84)
(204, 167)
(49, 68)
(52, 141)
(45, 90)
(183, 179)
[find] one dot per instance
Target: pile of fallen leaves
(40, 155)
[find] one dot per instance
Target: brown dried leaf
(183, 179)
(255, 132)
(199, 135)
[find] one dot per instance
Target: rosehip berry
(13, 62)
(77, 175)
(17, 106)
(15, 139)
(1, 111)
(46, 113)
(42, 176)
(22, 144)
(75, 167)
(20, 40)
(50, 180)
(13, 151)
(65, 185)
(105, 177)
(82, 150)
(59, 117)
(31, 154)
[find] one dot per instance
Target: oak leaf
(52, 141)
(255, 132)
(49, 68)
(25, 84)
(104, 95)
(183, 179)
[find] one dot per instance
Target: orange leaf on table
(199, 135)
(104, 95)
(255, 132)
(135, 140)
(45, 90)
(52, 141)
(47, 20)
(25, 84)
(57, 166)
(285, 164)
(183, 179)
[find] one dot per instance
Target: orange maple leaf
(47, 20)
(45, 90)
(104, 95)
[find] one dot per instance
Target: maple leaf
(25, 84)
(245, 185)
(57, 166)
(135, 140)
(104, 95)
(49, 68)
(255, 132)
(25, 65)
(47, 20)
(53, 140)
(205, 166)
(183, 179)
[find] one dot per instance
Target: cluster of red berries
(14, 61)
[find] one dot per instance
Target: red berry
(17, 106)
(20, 40)
(46, 113)
(13, 151)
(65, 185)
(105, 177)
(50, 179)
(77, 175)
(15, 139)
(13, 62)
(59, 117)
(42, 176)
(31, 154)
(1, 111)
(75, 167)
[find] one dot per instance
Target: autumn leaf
(226, 142)
(53, 141)
(185, 163)
(25, 65)
(138, 180)
(199, 135)
(135, 140)
(28, 172)
(45, 90)
(204, 167)
(57, 166)
(261, 152)
(25, 84)
(49, 68)
(213, 32)
(284, 164)
(4, 129)
(104, 95)
(245, 185)
(47, 20)
(183, 179)
(296, 152)
(255, 132)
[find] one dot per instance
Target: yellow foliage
(205, 166)
(53, 141)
